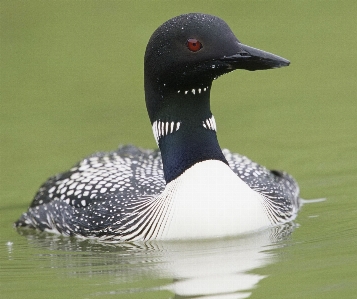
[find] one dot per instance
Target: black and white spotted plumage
(96, 192)
(97, 197)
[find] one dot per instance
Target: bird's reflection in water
(219, 268)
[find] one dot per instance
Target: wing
(82, 199)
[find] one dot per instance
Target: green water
(72, 84)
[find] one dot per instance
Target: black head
(191, 50)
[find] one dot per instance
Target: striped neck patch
(210, 124)
(163, 128)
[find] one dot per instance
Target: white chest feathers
(209, 200)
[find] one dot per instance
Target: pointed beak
(253, 59)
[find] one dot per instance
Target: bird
(188, 187)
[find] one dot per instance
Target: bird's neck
(185, 129)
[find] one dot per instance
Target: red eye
(193, 45)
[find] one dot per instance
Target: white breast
(209, 200)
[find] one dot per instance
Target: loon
(189, 187)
